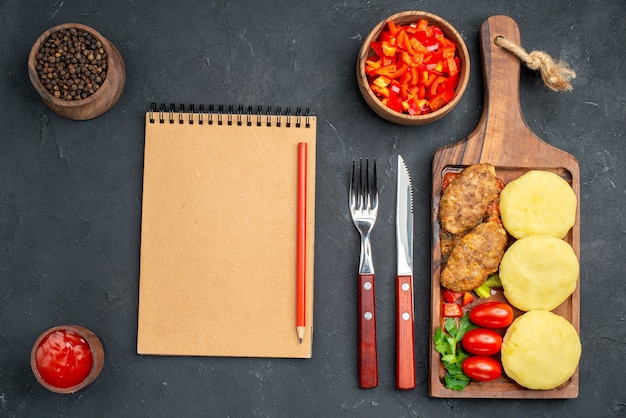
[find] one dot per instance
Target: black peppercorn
(72, 64)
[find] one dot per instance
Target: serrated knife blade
(405, 341)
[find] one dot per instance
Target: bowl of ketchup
(67, 358)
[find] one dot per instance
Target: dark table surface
(70, 198)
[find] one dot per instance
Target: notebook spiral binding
(231, 115)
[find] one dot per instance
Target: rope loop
(555, 74)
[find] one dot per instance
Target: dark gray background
(70, 198)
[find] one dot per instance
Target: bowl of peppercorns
(77, 72)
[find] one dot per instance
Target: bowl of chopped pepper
(77, 72)
(413, 68)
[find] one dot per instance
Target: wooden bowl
(404, 18)
(95, 104)
(97, 353)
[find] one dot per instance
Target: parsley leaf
(464, 325)
(457, 382)
(447, 343)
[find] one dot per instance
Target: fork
(363, 209)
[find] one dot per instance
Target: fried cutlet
(474, 257)
(465, 200)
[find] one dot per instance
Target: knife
(405, 356)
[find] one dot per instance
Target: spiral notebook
(218, 235)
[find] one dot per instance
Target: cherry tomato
(482, 341)
(482, 368)
(492, 315)
(63, 358)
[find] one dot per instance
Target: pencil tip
(300, 332)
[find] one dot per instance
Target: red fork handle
(368, 358)
(405, 340)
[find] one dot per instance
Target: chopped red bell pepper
(452, 310)
(395, 87)
(435, 84)
(432, 76)
(382, 81)
(412, 60)
(386, 70)
(440, 100)
(389, 50)
(393, 28)
(422, 25)
(421, 92)
(451, 82)
(451, 296)
(467, 298)
(448, 50)
(394, 102)
(417, 46)
(451, 67)
(400, 71)
(447, 179)
(421, 63)
(377, 47)
(380, 92)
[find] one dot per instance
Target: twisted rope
(555, 74)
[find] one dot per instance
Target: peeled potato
(538, 202)
(540, 350)
(538, 272)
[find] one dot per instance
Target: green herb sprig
(448, 344)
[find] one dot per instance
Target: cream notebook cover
(218, 234)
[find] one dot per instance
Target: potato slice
(539, 202)
(540, 350)
(539, 272)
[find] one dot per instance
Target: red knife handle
(405, 341)
(368, 359)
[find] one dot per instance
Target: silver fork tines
(364, 208)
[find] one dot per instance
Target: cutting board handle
(501, 69)
(501, 136)
(502, 118)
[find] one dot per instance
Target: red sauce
(64, 358)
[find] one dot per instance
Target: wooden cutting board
(502, 139)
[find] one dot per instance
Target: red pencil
(301, 248)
